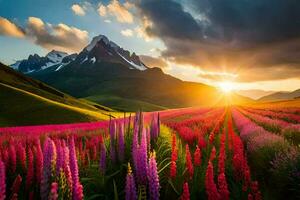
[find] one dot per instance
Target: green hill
(25, 101)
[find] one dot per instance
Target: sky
(253, 44)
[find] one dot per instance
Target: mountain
(254, 94)
(36, 63)
(103, 71)
(25, 101)
(281, 96)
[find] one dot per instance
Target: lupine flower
(197, 156)
(188, 161)
(121, 144)
(210, 186)
(130, 189)
(21, 155)
(49, 155)
(102, 163)
(112, 133)
(153, 178)
(212, 154)
(173, 166)
(16, 185)
(186, 193)
(141, 171)
(255, 191)
(222, 185)
(53, 192)
(30, 170)
(38, 161)
(77, 187)
(2, 181)
(12, 158)
(173, 169)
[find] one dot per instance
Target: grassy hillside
(122, 104)
(25, 101)
(279, 96)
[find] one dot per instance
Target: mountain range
(277, 96)
(107, 74)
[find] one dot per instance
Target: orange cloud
(78, 10)
(119, 11)
(8, 28)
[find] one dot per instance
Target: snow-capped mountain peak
(56, 56)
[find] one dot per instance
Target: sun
(226, 86)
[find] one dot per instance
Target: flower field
(192, 153)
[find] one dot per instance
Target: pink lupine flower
(53, 191)
(77, 191)
(16, 185)
(12, 158)
(2, 181)
(49, 155)
(153, 178)
(30, 170)
(38, 161)
(130, 189)
(21, 155)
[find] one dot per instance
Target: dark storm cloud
(244, 35)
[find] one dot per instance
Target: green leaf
(115, 190)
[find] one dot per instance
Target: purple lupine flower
(148, 139)
(60, 159)
(2, 181)
(77, 188)
(112, 133)
(153, 178)
(135, 145)
(66, 166)
(142, 160)
(121, 145)
(102, 163)
(49, 154)
(130, 190)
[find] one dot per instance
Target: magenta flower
(112, 133)
(121, 144)
(53, 191)
(12, 158)
(141, 158)
(30, 170)
(49, 155)
(38, 161)
(2, 181)
(77, 191)
(153, 178)
(130, 189)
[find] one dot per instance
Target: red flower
(210, 186)
(212, 154)
(186, 193)
(222, 185)
(197, 156)
(173, 168)
(188, 160)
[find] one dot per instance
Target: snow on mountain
(15, 66)
(139, 67)
(56, 56)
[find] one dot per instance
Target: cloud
(8, 28)
(127, 32)
(78, 10)
(102, 10)
(237, 36)
(154, 61)
(59, 37)
(118, 10)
